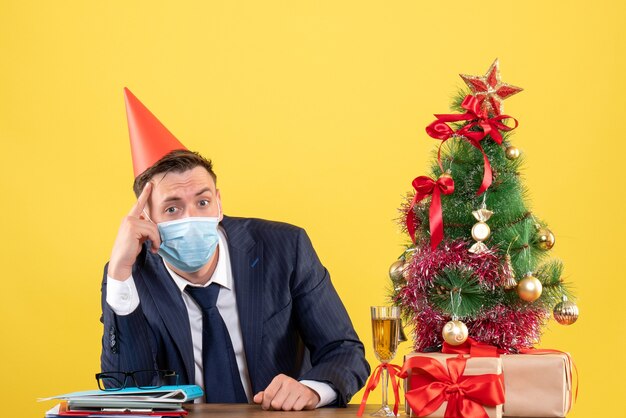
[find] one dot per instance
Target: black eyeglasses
(141, 379)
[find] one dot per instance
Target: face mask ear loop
(147, 216)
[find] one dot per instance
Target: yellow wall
(314, 113)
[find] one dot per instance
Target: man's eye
(170, 210)
(204, 202)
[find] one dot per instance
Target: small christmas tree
(478, 260)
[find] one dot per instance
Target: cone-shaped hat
(149, 139)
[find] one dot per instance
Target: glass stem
(385, 377)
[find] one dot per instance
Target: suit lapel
(171, 308)
(246, 259)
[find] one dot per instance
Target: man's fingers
(287, 394)
(271, 391)
(148, 230)
(289, 403)
(305, 402)
(141, 201)
(277, 403)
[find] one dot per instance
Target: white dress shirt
(123, 298)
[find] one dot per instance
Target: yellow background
(314, 114)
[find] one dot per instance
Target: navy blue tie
(222, 383)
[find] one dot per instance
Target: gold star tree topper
(490, 90)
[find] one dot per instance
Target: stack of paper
(166, 401)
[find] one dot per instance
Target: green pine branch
(457, 292)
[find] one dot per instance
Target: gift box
(537, 385)
(435, 382)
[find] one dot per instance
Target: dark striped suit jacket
(292, 319)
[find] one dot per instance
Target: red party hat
(149, 139)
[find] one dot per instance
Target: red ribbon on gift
(424, 187)
(432, 384)
(473, 348)
(393, 370)
(439, 129)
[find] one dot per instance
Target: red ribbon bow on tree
(393, 371)
(432, 384)
(425, 186)
(439, 129)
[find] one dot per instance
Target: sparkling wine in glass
(385, 335)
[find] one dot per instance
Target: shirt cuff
(324, 390)
(122, 296)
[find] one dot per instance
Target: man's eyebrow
(176, 198)
(171, 199)
(206, 189)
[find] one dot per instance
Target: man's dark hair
(177, 161)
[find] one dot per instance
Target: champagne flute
(385, 334)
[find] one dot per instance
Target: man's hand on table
(287, 394)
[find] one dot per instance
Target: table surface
(245, 410)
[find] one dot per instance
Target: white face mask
(188, 243)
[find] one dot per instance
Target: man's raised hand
(133, 232)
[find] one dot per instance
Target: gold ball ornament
(406, 272)
(529, 288)
(454, 332)
(512, 153)
(545, 239)
(396, 270)
(565, 312)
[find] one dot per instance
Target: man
(242, 307)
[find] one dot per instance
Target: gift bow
(439, 129)
(432, 384)
(424, 187)
(393, 370)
